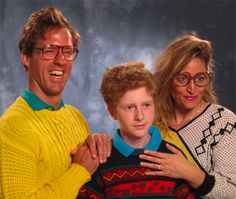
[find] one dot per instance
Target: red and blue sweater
(123, 177)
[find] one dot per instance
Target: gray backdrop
(115, 31)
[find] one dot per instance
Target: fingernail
(94, 156)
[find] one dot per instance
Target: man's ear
(112, 112)
(25, 60)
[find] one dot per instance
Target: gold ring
(105, 140)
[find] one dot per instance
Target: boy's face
(135, 114)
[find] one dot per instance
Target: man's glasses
(200, 79)
(50, 52)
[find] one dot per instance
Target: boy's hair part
(124, 77)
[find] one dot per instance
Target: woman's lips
(190, 98)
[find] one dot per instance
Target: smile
(56, 73)
(190, 98)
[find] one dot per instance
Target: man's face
(47, 78)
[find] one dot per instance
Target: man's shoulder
(16, 116)
(17, 108)
(73, 109)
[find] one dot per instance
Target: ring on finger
(158, 167)
(105, 140)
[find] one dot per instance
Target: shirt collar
(36, 103)
(127, 150)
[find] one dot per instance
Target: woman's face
(189, 96)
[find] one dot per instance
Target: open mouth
(56, 73)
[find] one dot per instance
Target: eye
(181, 79)
(129, 108)
(200, 78)
(68, 51)
(147, 105)
(49, 50)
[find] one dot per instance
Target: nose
(191, 86)
(139, 114)
(59, 59)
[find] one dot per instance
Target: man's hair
(174, 58)
(124, 77)
(38, 24)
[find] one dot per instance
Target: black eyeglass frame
(206, 74)
(43, 49)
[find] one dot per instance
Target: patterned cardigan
(209, 142)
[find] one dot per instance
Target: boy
(128, 91)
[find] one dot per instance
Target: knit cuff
(206, 186)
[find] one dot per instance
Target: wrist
(195, 176)
(206, 186)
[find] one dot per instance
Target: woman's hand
(172, 165)
(165, 164)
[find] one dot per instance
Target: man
(42, 149)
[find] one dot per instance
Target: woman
(191, 120)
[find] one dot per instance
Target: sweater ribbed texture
(35, 151)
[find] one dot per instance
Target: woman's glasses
(200, 79)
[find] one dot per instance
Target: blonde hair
(174, 58)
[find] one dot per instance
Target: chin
(55, 92)
(190, 105)
(141, 133)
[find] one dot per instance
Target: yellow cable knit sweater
(35, 151)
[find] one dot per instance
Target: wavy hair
(37, 25)
(174, 58)
(124, 77)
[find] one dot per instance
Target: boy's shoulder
(163, 148)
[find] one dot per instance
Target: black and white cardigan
(209, 141)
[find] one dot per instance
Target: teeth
(57, 73)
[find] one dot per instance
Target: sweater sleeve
(23, 174)
(224, 166)
(93, 189)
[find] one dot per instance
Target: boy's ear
(112, 112)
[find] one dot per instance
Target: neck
(50, 100)
(182, 117)
(137, 143)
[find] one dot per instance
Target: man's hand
(100, 146)
(82, 155)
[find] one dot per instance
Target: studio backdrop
(115, 31)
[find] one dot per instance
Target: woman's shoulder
(222, 111)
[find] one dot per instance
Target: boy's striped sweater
(123, 177)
